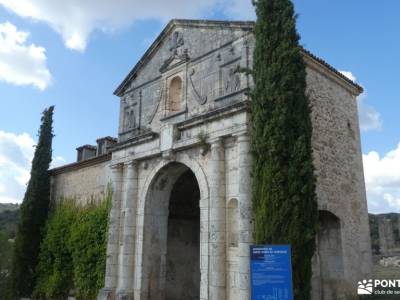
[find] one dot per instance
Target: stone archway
(171, 240)
(328, 267)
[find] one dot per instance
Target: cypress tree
(33, 213)
(283, 190)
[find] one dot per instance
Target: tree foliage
(33, 213)
(283, 190)
(73, 252)
(5, 264)
(55, 266)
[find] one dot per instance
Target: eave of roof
(334, 70)
(249, 25)
(80, 164)
(87, 147)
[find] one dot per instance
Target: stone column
(217, 223)
(245, 215)
(113, 235)
(127, 252)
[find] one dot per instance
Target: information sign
(271, 272)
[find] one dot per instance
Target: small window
(175, 95)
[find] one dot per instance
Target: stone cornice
(214, 114)
(81, 164)
(139, 139)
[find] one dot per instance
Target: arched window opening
(175, 95)
(233, 223)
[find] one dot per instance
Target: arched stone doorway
(328, 267)
(171, 259)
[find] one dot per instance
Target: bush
(73, 252)
(55, 260)
(88, 242)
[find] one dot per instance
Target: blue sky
(73, 55)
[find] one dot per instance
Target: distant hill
(8, 219)
(393, 221)
(8, 206)
(8, 227)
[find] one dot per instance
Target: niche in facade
(130, 118)
(175, 95)
(233, 223)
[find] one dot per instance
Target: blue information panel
(271, 272)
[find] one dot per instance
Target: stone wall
(340, 181)
(386, 236)
(82, 181)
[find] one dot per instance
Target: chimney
(85, 152)
(104, 143)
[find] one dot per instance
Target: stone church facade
(181, 218)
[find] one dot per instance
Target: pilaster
(111, 279)
(245, 215)
(217, 223)
(127, 244)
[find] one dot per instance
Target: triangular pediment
(170, 47)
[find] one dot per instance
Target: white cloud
(349, 75)
(57, 162)
(382, 178)
(370, 119)
(21, 63)
(16, 153)
(75, 20)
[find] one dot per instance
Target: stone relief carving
(178, 56)
(232, 50)
(176, 41)
(232, 83)
(199, 98)
(130, 118)
(160, 98)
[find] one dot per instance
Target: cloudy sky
(74, 53)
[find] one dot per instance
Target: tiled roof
(331, 68)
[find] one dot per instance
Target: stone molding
(80, 165)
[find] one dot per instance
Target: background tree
(33, 213)
(284, 198)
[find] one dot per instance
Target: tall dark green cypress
(33, 213)
(284, 198)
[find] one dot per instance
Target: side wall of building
(82, 182)
(344, 254)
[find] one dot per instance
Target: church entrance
(183, 272)
(171, 246)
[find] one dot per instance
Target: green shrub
(88, 242)
(73, 252)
